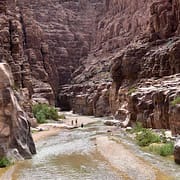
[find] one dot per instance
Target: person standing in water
(76, 122)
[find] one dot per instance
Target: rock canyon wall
(96, 48)
(138, 42)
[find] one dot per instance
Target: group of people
(76, 123)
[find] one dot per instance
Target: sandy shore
(51, 129)
(45, 134)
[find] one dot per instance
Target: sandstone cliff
(31, 80)
(15, 136)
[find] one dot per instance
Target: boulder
(177, 151)
(111, 122)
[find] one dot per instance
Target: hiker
(76, 122)
(72, 122)
(82, 125)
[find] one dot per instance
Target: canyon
(117, 58)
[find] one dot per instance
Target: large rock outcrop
(15, 136)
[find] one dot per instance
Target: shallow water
(72, 155)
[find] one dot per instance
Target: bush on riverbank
(62, 116)
(137, 128)
(42, 112)
(4, 162)
(147, 137)
(165, 149)
(155, 143)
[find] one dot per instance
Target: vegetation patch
(147, 137)
(43, 112)
(137, 128)
(131, 90)
(4, 162)
(152, 142)
(165, 149)
(176, 101)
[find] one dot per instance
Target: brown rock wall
(164, 21)
(149, 102)
(15, 135)
(68, 27)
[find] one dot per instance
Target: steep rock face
(90, 99)
(157, 57)
(15, 137)
(164, 21)
(149, 102)
(23, 48)
(69, 28)
(113, 33)
(121, 23)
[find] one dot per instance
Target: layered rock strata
(150, 102)
(23, 48)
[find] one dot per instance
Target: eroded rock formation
(15, 136)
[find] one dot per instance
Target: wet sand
(51, 129)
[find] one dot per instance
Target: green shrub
(165, 149)
(42, 112)
(4, 162)
(40, 116)
(137, 128)
(147, 137)
(176, 101)
(131, 90)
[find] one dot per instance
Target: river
(73, 155)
